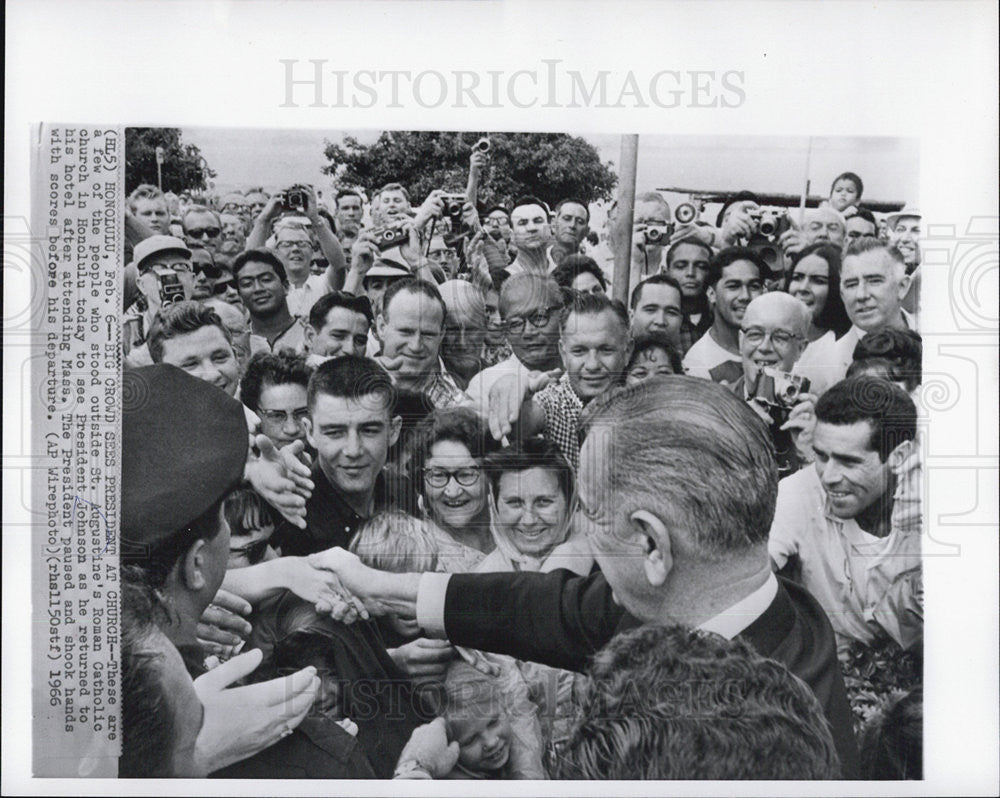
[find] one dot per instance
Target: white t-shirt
(708, 360)
(303, 297)
(480, 384)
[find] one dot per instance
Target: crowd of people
(407, 494)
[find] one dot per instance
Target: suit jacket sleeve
(557, 618)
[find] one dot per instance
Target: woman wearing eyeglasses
(446, 464)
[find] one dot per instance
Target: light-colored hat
(894, 217)
(385, 267)
(155, 244)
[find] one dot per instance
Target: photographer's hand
(265, 219)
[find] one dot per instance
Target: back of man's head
(352, 377)
(180, 318)
(676, 703)
(693, 453)
(885, 407)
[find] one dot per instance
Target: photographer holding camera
(773, 336)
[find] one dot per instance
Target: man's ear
(307, 427)
(193, 566)
(310, 335)
(710, 294)
(904, 287)
(898, 455)
(658, 561)
(395, 425)
(380, 326)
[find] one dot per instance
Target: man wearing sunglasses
(202, 228)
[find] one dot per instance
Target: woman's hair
(575, 265)
(655, 340)
(531, 453)
(246, 512)
(834, 314)
(395, 541)
(469, 693)
(459, 424)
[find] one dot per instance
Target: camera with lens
(772, 222)
(295, 199)
(171, 289)
(483, 145)
(685, 213)
(779, 391)
(389, 237)
(452, 209)
(657, 234)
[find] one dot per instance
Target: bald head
(774, 333)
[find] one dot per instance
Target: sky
(889, 166)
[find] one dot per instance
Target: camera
(483, 145)
(685, 213)
(657, 233)
(389, 237)
(772, 222)
(171, 289)
(452, 210)
(295, 199)
(779, 390)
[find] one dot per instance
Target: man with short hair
(904, 235)
(351, 426)
(819, 225)
(349, 209)
(530, 234)
(735, 277)
(569, 227)
(274, 387)
(687, 262)
(647, 258)
(530, 306)
(411, 327)
(263, 286)
(464, 330)
(390, 204)
(680, 534)
(147, 204)
(595, 344)
(256, 200)
(205, 273)
(659, 704)
(339, 324)
(657, 307)
(192, 338)
(851, 526)
(202, 228)
(860, 224)
(873, 285)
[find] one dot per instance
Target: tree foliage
(183, 168)
(550, 166)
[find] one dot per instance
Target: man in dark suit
(677, 487)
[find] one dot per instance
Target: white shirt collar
(730, 622)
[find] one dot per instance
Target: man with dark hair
(657, 304)
(274, 387)
(530, 306)
(339, 324)
(390, 204)
(349, 209)
(860, 224)
(193, 338)
(411, 327)
(666, 702)
(263, 286)
(351, 426)
(687, 262)
(680, 535)
(735, 277)
(852, 525)
(530, 234)
(893, 354)
(580, 273)
(595, 344)
(570, 226)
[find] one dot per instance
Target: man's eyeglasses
(498, 221)
(221, 286)
(254, 552)
(439, 477)
(281, 416)
(516, 324)
(183, 266)
(201, 232)
(780, 338)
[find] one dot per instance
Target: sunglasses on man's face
(221, 286)
(201, 232)
(254, 552)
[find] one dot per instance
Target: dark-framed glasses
(516, 324)
(781, 338)
(439, 477)
(281, 416)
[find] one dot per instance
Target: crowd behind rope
(414, 497)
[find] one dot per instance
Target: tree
(184, 168)
(550, 166)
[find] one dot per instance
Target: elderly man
(735, 277)
(820, 225)
(851, 526)
(202, 228)
(595, 344)
(529, 306)
(873, 285)
(772, 339)
(464, 330)
(680, 535)
(411, 328)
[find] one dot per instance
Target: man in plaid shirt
(595, 344)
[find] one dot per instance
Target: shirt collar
(730, 622)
